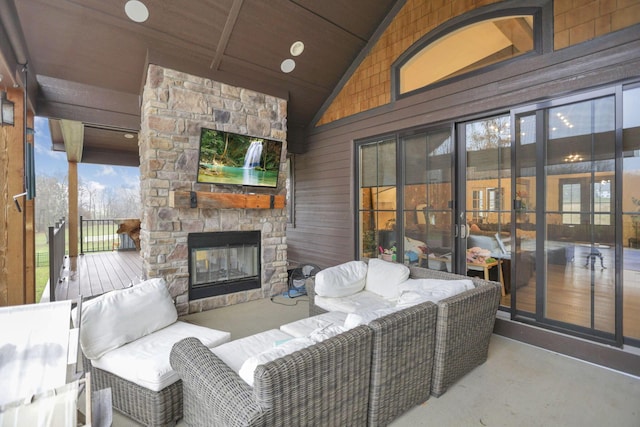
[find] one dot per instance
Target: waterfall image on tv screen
(230, 158)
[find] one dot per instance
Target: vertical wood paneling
(14, 268)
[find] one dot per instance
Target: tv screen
(230, 158)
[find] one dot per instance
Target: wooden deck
(94, 274)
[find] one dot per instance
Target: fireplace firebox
(223, 262)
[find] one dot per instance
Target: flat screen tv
(230, 158)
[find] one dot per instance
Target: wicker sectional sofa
(367, 375)
(462, 330)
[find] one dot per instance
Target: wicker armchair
(402, 362)
(463, 328)
(325, 384)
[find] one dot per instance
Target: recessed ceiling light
(297, 48)
(128, 135)
(136, 11)
(288, 65)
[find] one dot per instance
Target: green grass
(42, 271)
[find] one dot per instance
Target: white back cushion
(119, 317)
(383, 277)
(341, 280)
(416, 291)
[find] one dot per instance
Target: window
(494, 197)
(461, 50)
(377, 210)
(477, 205)
(571, 203)
(602, 202)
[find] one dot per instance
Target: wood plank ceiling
(87, 60)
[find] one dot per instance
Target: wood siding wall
(17, 242)
(370, 85)
(324, 210)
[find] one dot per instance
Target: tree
(51, 203)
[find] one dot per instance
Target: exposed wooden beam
(226, 33)
(207, 200)
(73, 134)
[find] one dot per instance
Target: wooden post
(73, 210)
(12, 271)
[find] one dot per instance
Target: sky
(54, 163)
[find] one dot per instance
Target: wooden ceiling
(87, 60)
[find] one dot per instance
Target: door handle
(463, 231)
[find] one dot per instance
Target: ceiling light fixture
(136, 11)
(128, 135)
(288, 65)
(573, 158)
(297, 48)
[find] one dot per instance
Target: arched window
(464, 46)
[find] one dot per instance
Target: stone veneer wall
(174, 108)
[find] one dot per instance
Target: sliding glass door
(565, 228)
(428, 216)
(545, 200)
(483, 198)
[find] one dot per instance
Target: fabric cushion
(119, 317)
(249, 366)
(327, 332)
(416, 291)
(145, 361)
(383, 277)
(361, 301)
(304, 327)
(235, 353)
(341, 280)
(364, 317)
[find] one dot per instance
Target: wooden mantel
(208, 200)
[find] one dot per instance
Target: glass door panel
(428, 195)
(579, 242)
(523, 247)
(377, 199)
(631, 214)
(484, 199)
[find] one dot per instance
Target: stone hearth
(175, 106)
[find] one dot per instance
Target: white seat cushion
(383, 277)
(247, 369)
(362, 301)
(416, 291)
(304, 327)
(236, 352)
(341, 280)
(146, 361)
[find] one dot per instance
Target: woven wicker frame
(151, 408)
(402, 362)
(463, 327)
(325, 384)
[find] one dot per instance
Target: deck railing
(57, 251)
(99, 235)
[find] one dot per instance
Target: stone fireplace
(223, 262)
(175, 106)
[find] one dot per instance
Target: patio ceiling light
(288, 65)
(297, 48)
(136, 11)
